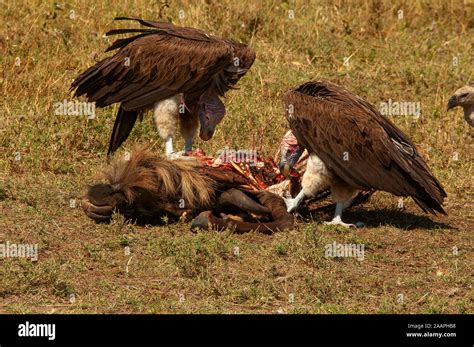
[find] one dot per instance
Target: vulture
(464, 97)
(179, 72)
(352, 148)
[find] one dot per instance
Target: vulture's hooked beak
(206, 126)
(452, 102)
(285, 169)
(291, 152)
(289, 160)
(206, 133)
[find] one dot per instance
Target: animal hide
(146, 188)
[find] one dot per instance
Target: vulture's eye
(462, 96)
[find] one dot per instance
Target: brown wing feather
(151, 69)
(162, 62)
(337, 125)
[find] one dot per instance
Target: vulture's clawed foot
(339, 222)
(291, 204)
(181, 155)
(175, 155)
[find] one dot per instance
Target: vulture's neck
(469, 114)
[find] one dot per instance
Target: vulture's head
(464, 97)
(290, 151)
(211, 112)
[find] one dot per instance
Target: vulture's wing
(160, 62)
(360, 145)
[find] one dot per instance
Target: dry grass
(173, 270)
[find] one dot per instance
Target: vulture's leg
(166, 116)
(315, 179)
(188, 127)
(188, 144)
(292, 204)
(337, 220)
(342, 194)
(169, 145)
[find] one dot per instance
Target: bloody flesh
(262, 172)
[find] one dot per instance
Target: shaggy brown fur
(146, 187)
(166, 180)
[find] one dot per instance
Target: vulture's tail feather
(123, 42)
(122, 127)
(427, 191)
(127, 31)
(429, 205)
(148, 23)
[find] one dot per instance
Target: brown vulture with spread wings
(178, 72)
(352, 148)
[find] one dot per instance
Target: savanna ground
(410, 265)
